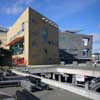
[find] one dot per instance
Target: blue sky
(68, 14)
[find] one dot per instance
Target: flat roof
(2, 29)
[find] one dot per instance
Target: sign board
(80, 78)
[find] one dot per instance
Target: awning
(15, 40)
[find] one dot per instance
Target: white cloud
(16, 7)
(12, 10)
(96, 47)
(96, 38)
(67, 7)
(96, 42)
(53, 7)
(28, 2)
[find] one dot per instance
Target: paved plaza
(52, 94)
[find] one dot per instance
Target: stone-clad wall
(43, 40)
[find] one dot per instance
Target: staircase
(95, 84)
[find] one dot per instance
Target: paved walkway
(53, 94)
(58, 94)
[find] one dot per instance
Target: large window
(85, 41)
(17, 48)
(85, 52)
(45, 34)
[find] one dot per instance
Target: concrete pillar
(59, 77)
(49, 75)
(46, 76)
(65, 78)
(87, 85)
(74, 82)
(54, 76)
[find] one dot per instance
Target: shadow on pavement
(25, 95)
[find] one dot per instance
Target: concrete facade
(3, 36)
(77, 45)
(33, 39)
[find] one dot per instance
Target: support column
(54, 76)
(59, 77)
(87, 85)
(65, 78)
(48, 75)
(74, 82)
